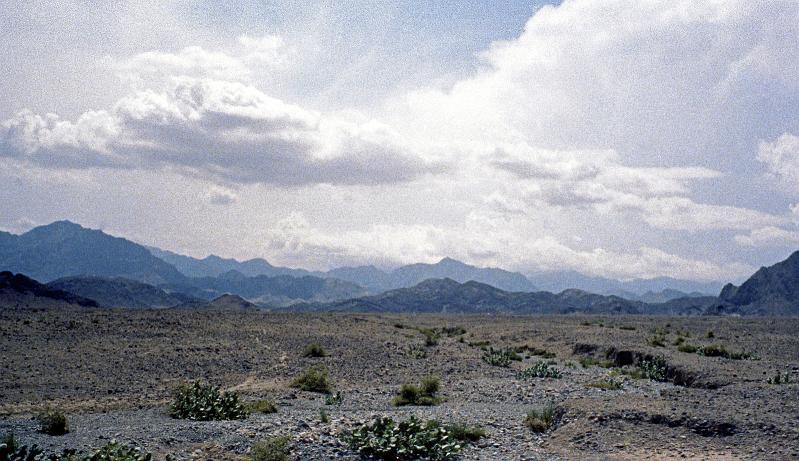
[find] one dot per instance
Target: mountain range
(114, 272)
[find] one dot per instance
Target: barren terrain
(114, 371)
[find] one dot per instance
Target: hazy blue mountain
(64, 249)
(212, 266)
(632, 289)
(119, 292)
(226, 302)
(20, 290)
(771, 290)
(369, 277)
(280, 290)
(447, 295)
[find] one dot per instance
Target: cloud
(222, 130)
(221, 196)
(781, 158)
(768, 236)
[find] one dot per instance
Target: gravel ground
(113, 373)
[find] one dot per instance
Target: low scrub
(10, 450)
(466, 432)
(53, 422)
(609, 384)
(334, 399)
(780, 378)
(204, 402)
(314, 379)
(541, 419)
(587, 362)
(424, 394)
(416, 351)
(314, 351)
(716, 350)
(412, 439)
(654, 368)
(532, 350)
(540, 370)
(271, 449)
(500, 357)
(687, 348)
(262, 406)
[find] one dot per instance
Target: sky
(622, 138)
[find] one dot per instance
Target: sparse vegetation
(314, 350)
(408, 440)
(479, 344)
(716, 350)
(204, 402)
(314, 379)
(53, 422)
(416, 351)
(10, 450)
(628, 328)
(424, 394)
(500, 357)
(334, 399)
(541, 419)
(465, 432)
(608, 384)
(271, 449)
(324, 417)
(532, 350)
(658, 340)
(115, 451)
(587, 362)
(653, 368)
(262, 406)
(710, 334)
(453, 331)
(780, 378)
(687, 348)
(540, 370)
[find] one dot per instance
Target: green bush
(262, 406)
(687, 348)
(334, 399)
(587, 362)
(653, 368)
(314, 350)
(466, 433)
(500, 357)
(453, 331)
(53, 422)
(657, 340)
(314, 379)
(204, 402)
(425, 394)
(431, 336)
(409, 440)
(710, 334)
(540, 370)
(608, 384)
(114, 451)
(324, 417)
(416, 351)
(541, 419)
(271, 449)
(780, 378)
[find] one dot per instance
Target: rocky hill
(771, 290)
(226, 302)
(119, 292)
(449, 296)
(17, 290)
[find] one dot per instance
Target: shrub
(262, 406)
(323, 416)
(431, 336)
(409, 440)
(416, 351)
(608, 384)
(465, 433)
(314, 379)
(480, 344)
(314, 350)
(271, 449)
(334, 399)
(713, 350)
(657, 341)
(628, 328)
(204, 402)
(540, 370)
(687, 348)
(586, 362)
(453, 331)
(53, 422)
(678, 341)
(779, 378)
(115, 451)
(424, 394)
(653, 368)
(710, 334)
(532, 350)
(541, 419)
(500, 357)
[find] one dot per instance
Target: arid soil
(113, 372)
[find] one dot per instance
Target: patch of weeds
(540, 370)
(465, 432)
(687, 348)
(541, 419)
(608, 384)
(115, 451)
(658, 340)
(453, 331)
(416, 351)
(587, 362)
(780, 378)
(314, 350)
(271, 449)
(532, 350)
(424, 394)
(710, 334)
(678, 341)
(334, 399)
(570, 364)
(262, 406)
(653, 368)
(314, 379)
(500, 357)
(324, 417)
(204, 402)
(53, 422)
(716, 350)
(431, 336)
(479, 344)
(408, 440)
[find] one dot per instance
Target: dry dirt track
(114, 371)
